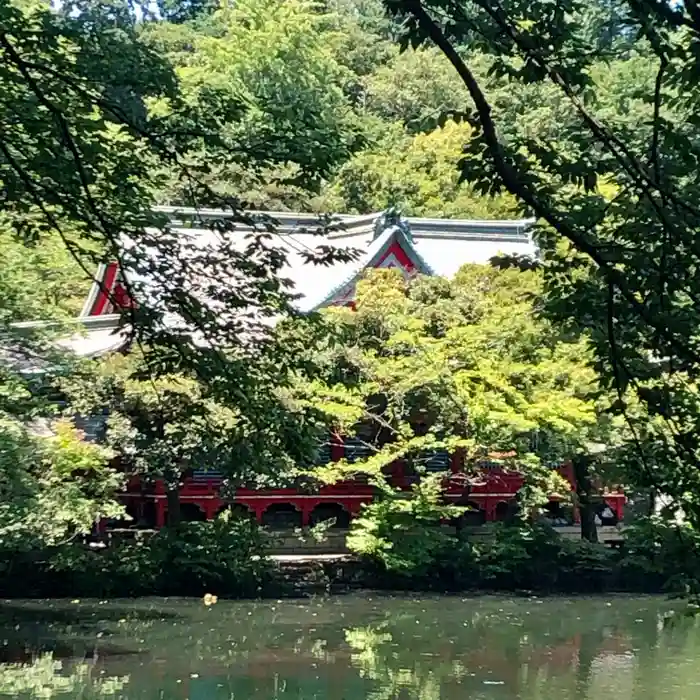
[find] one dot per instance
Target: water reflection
(379, 649)
(46, 677)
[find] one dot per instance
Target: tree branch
(516, 186)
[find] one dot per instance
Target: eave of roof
(95, 336)
(102, 322)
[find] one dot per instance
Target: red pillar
(337, 447)
(210, 508)
(160, 512)
(398, 474)
(353, 506)
(258, 508)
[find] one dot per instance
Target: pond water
(358, 647)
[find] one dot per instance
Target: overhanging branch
(516, 185)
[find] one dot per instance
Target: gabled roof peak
(391, 219)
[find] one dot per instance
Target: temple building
(386, 240)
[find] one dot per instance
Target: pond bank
(237, 560)
(131, 571)
(334, 541)
(306, 575)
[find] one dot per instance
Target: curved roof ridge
(472, 222)
(282, 216)
(473, 229)
(208, 212)
(356, 224)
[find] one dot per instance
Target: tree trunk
(172, 494)
(584, 495)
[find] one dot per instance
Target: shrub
(404, 545)
(534, 557)
(403, 542)
(221, 556)
(662, 555)
(225, 556)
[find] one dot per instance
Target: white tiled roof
(95, 343)
(95, 336)
(444, 244)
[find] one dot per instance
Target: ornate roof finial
(389, 218)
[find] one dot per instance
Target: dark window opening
(149, 517)
(282, 516)
(558, 514)
(606, 515)
(330, 512)
(437, 462)
(473, 517)
(502, 512)
(191, 513)
(236, 511)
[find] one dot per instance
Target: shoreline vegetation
(233, 560)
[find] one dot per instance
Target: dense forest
(580, 115)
